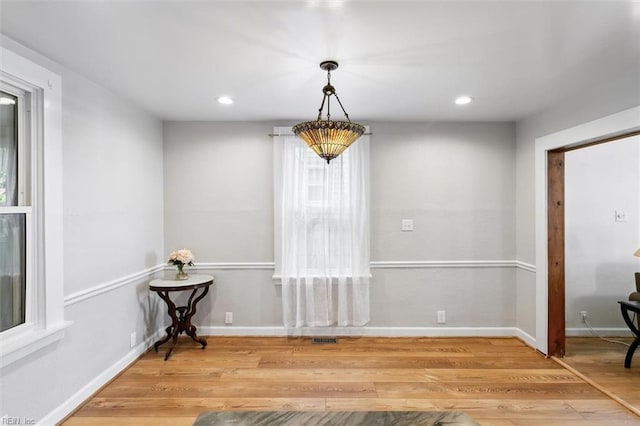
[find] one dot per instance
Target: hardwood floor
(603, 363)
(497, 381)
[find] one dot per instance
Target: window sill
(17, 347)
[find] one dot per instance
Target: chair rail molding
(232, 265)
(422, 264)
(382, 264)
(99, 289)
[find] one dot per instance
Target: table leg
(169, 331)
(174, 329)
(186, 325)
(630, 351)
(636, 333)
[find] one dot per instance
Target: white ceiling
(399, 60)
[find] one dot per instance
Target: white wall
(218, 190)
(113, 234)
(455, 180)
(599, 100)
(600, 180)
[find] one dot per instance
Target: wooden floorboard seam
(602, 389)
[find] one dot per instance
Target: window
(321, 233)
(31, 286)
(16, 211)
(321, 209)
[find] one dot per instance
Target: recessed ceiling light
(225, 100)
(7, 101)
(463, 100)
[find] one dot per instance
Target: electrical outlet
(132, 339)
(583, 316)
(407, 225)
(228, 317)
(442, 317)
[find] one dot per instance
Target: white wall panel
(113, 228)
(599, 263)
(455, 180)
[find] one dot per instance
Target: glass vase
(181, 275)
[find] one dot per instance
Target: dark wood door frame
(555, 242)
(555, 253)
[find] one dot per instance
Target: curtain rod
(291, 134)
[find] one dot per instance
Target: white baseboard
(526, 337)
(603, 331)
(102, 379)
(367, 331)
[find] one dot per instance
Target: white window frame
(24, 206)
(44, 317)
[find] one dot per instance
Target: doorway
(549, 168)
(595, 205)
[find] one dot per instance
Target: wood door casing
(555, 254)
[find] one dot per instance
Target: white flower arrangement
(181, 258)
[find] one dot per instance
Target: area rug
(334, 418)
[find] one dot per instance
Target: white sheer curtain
(324, 234)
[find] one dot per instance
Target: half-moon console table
(181, 315)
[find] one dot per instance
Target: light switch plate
(621, 216)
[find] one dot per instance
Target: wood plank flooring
(603, 362)
(497, 381)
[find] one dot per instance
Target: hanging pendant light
(328, 138)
